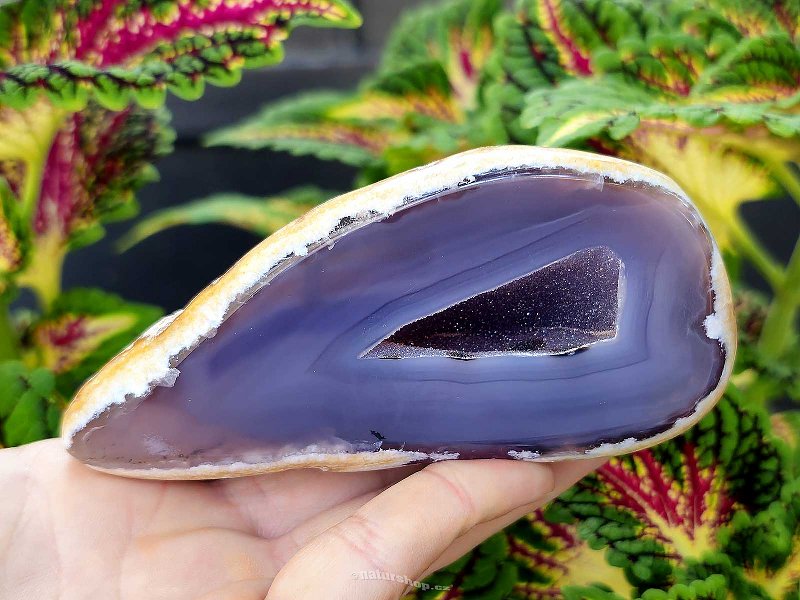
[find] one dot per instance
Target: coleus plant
(427, 84)
(82, 84)
(711, 514)
(260, 216)
(706, 91)
(421, 105)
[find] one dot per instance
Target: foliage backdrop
(706, 91)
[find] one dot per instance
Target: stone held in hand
(507, 302)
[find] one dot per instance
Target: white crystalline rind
(524, 454)
(365, 461)
(437, 456)
(625, 445)
(156, 328)
(169, 378)
(715, 324)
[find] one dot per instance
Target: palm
(150, 539)
(67, 531)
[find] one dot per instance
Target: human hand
(69, 532)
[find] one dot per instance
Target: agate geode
(508, 302)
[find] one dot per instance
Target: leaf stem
(780, 324)
(781, 321)
(33, 183)
(9, 347)
(43, 273)
(783, 173)
(747, 244)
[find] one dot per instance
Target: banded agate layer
(526, 314)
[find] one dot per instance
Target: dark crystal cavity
(559, 308)
(621, 271)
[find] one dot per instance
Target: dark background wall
(171, 267)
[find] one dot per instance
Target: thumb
(400, 533)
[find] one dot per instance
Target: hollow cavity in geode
(559, 308)
(616, 278)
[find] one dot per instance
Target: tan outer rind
(148, 361)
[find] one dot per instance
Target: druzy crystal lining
(344, 423)
(560, 308)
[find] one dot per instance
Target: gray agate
(544, 305)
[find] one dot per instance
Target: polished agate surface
(528, 313)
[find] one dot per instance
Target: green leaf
(82, 330)
(623, 125)
(765, 541)
(261, 216)
(413, 111)
(713, 566)
(592, 592)
(786, 425)
(759, 16)
(457, 35)
(756, 69)
(658, 508)
(90, 172)
(306, 125)
(718, 151)
(101, 52)
(29, 405)
(549, 41)
(764, 379)
(715, 587)
(565, 116)
(553, 558)
(404, 111)
(483, 573)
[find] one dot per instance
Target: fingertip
(569, 471)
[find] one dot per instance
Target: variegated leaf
(756, 69)
(120, 50)
(456, 34)
(413, 111)
(757, 17)
(673, 49)
(657, 509)
(93, 167)
(718, 151)
(261, 216)
(577, 28)
(553, 558)
(83, 329)
(304, 125)
(549, 41)
(690, 518)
